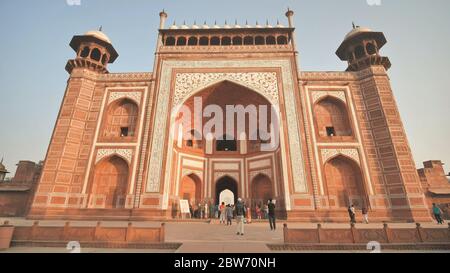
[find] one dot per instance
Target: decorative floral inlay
(135, 96)
(186, 172)
(188, 83)
(329, 153)
(127, 154)
(267, 172)
(317, 95)
(233, 175)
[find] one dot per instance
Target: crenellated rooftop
(227, 34)
(174, 26)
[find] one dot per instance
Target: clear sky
(35, 36)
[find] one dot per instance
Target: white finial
(236, 24)
(184, 26)
(279, 25)
(174, 26)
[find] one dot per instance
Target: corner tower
(66, 163)
(396, 185)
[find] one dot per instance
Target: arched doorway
(121, 119)
(344, 183)
(111, 182)
(227, 197)
(226, 188)
(332, 118)
(190, 188)
(262, 189)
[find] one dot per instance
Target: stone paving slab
(223, 247)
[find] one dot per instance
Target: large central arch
(176, 85)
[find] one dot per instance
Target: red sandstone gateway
(342, 142)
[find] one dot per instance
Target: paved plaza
(204, 236)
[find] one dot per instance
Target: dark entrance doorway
(224, 186)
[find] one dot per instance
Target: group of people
(352, 214)
(243, 215)
(437, 212)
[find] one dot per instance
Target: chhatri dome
(357, 30)
(99, 35)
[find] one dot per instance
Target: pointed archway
(110, 183)
(190, 188)
(344, 183)
(226, 187)
(262, 189)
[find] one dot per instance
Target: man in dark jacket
(240, 214)
(272, 217)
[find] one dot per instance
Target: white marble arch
(160, 123)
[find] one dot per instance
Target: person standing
(352, 214)
(271, 214)
(222, 209)
(191, 210)
(266, 211)
(206, 208)
(258, 212)
(249, 215)
(211, 210)
(200, 211)
(228, 212)
(240, 215)
(365, 214)
(437, 214)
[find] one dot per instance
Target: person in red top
(258, 212)
(222, 213)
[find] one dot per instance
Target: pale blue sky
(35, 36)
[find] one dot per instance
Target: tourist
(222, 209)
(437, 214)
(240, 214)
(211, 210)
(266, 211)
(216, 211)
(206, 211)
(191, 211)
(200, 211)
(258, 212)
(352, 214)
(249, 215)
(271, 214)
(228, 213)
(365, 214)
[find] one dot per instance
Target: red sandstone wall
(67, 156)
(391, 163)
